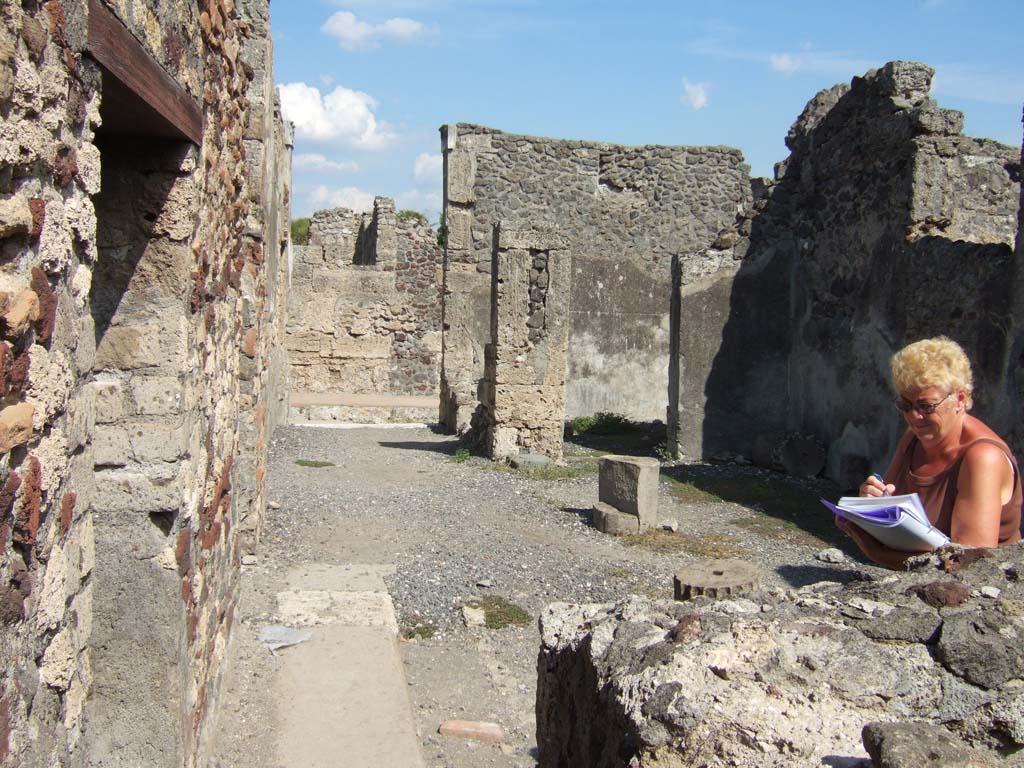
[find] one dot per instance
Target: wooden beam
(122, 57)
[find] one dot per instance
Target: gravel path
(456, 530)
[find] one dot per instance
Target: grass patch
(713, 545)
(614, 433)
(314, 464)
(500, 613)
(416, 627)
(785, 508)
(623, 574)
(548, 471)
(461, 454)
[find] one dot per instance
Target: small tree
(300, 231)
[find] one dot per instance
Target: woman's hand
(875, 486)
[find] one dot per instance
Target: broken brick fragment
(37, 207)
(183, 552)
(67, 511)
(26, 521)
(942, 594)
(47, 306)
(964, 559)
(65, 166)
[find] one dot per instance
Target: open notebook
(899, 522)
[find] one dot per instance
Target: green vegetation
(500, 613)
(442, 232)
(667, 543)
(581, 468)
(408, 214)
(461, 454)
(314, 464)
(784, 507)
(300, 231)
(615, 433)
(413, 626)
(604, 423)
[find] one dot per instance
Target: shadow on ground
(784, 506)
(448, 447)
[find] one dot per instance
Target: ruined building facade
(365, 315)
(144, 174)
(757, 316)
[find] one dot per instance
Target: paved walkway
(342, 696)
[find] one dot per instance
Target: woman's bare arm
(985, 475)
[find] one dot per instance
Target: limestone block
(156, 395)
(607, 519)
(58, 665)
(22, 311)
(630, 484)
(156, 441)
(155, 490)
(110, 446)
(15, 217)
(458, 223)
(15, 425)
(370, 348)
(461, 174)
(111, 402)
(85, 349)
(50, 382)
(54, 596)
(504, 443)
(140, 345)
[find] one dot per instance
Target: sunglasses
(921, 406)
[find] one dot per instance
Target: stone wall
(625, 211)
(526, 360)
(884, 225)
(365, 304)
(788, 678)
(138, 362)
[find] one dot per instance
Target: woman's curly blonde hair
(938, 362)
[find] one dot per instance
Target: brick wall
(138, 370)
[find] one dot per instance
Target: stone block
(15, 425)
(22, 311)
(504, 442)
(607, 519)
(81, 416)
(630, 484)
(461, 174)
(15, 217)
(110, 446)
(127, 491)
(111, 403)
(716, 579)
(156, 441)
(140, 345)
(908, 745)
(156, 395)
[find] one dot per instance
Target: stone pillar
(628, 493)
(525, 363)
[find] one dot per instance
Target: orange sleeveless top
(938, 492)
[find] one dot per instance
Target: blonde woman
(965, 474)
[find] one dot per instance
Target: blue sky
(369, 82)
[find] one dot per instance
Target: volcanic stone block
(608, 519)
(630, 484)
(716, 578)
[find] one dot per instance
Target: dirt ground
(459, 530)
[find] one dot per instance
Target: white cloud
(785, 63)
(428, 167)
(427, 202)
(342, 115)
(342, 197)
(353, 34)
(695, 94)
(312, 161)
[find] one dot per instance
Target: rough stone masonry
(138, 368)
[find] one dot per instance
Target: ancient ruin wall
(625, 211)
(787, 678)
(886, 225)
(124, 325)
(364, 309)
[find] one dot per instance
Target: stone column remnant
(716, 579)
(628, 493)
(524, 381)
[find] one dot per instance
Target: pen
(885, 491)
